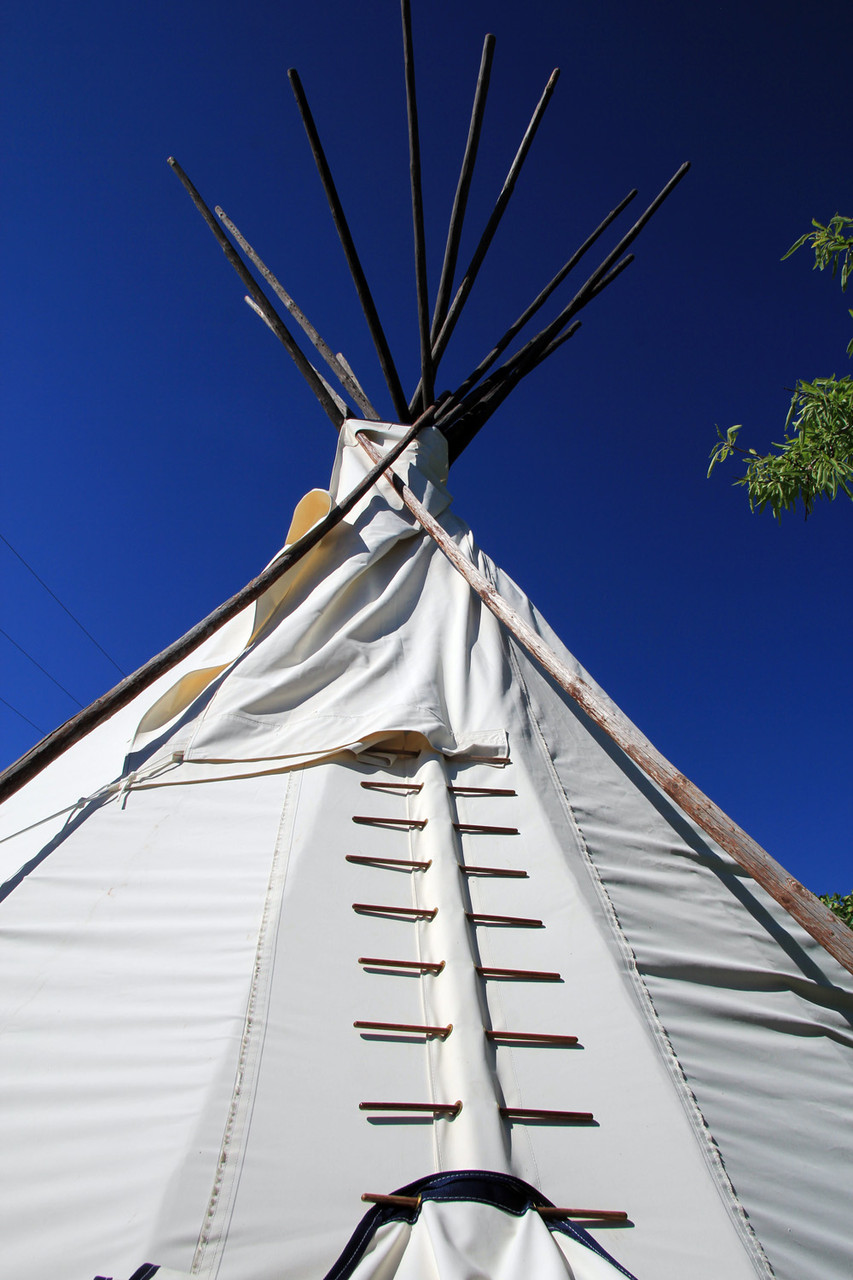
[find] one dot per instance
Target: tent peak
(464, 409)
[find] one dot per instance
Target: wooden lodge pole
(427, 379)
(461, 422)
(41, 755)
(365, 297)
(538, 343)
(814, 916)
(463, 186)
(344, 375)
(273, 319)
(540, 300)
(467, 282)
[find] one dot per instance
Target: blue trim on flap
(145, 1272)
(500, 1190)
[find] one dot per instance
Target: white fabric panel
(180, 963)
(759, 1015)
(642, 1155)
(469, 1241)
(293, 1180)
(300, 1153)
(127, 960)
(94, 763)
(355, 643)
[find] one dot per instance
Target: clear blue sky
(155, 437)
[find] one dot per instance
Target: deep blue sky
(155, 437)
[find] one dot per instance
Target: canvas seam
(643, 999)
(428, 1190)
(220, 1205)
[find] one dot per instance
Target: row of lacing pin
(451, 1109)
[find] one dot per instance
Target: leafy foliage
(833, 247)
(842, 905)
(815, 459)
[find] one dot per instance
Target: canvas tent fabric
(182, 961)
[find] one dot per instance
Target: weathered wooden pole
(798, 901)
(427, 381)
(270, 314)
(467, 283)
(386, 360)
(463, 186)
(538, 343)
(338, 368)
(539, 301)
(13, 778)
(461, 422)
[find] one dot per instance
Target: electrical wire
(65, 608)
(37, 728)
(41, 669)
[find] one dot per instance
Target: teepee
(364, 891)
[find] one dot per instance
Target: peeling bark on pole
(814, 916)
(51, 747)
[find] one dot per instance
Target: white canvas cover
(181, 966)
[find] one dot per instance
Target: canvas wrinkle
(696, 1007)
(111, 790)
(620, 867)
(643, 999)
(455, 1233)
(69, 809)
(372, 602)
(383, 1254)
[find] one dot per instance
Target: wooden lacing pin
(530, 1037)
(408, 788)
(449, 1109)
(419, 966)
(407, 824)
(546, 1210)
(365, 860)
(520, 922)
(405, 1202)
(591, 1215)
(523, 1114)
(414, 913)
(506, 872)
(481, 760)
(480, 829)
(526, 975)
(441, 1032)
(479, 791)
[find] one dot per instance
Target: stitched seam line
(696, 1119)
(211, 1240)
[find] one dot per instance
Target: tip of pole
(171, 160)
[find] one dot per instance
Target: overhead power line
(37, 727)
(42, 669)
(64, 607)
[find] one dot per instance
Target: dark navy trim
(500, 1190)
(145, 1272)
